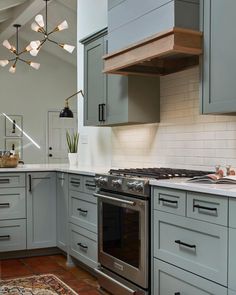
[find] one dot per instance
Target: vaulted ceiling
(24, 11)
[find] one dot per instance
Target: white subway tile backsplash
(183, 138)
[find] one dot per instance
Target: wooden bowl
(9, 161)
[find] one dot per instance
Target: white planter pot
(73, 159)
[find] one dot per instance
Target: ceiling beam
(21, 14)
(6, 4)
(5, 14)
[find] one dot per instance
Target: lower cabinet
(83, 245)
(170, 280)
(12, 235)
(41, 210)
(62, 211)
(232, 259)
(230, 292)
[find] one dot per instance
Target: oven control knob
(139, 187)
(131, 185)
(101, 181)
(116, 183)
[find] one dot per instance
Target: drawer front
(12, 203)
(193, 245)
(232, 259)
(12, 235)
(231, 292)
(170, 280)
(76, 182)
(232, 210)
(168, 200)
(208, 208)
(83, 213)
(12, 180)
(89, 185)
(83, 245)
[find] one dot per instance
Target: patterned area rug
(35, 285)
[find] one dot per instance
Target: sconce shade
(66, 113)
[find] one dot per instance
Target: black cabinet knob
(50, 148)
(50, 155)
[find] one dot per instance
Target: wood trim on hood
(161, 54)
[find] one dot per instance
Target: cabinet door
(232, 259)
(219, 66)
(94, 82)
(41, 210)
(62, 211)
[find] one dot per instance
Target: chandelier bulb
(12, 69)
(35, 27)
(67, 47)
(4, 62)
(35, 44)
(63, 26)
(39, 20)
(34, 52)
(7, 44)
(34, 65)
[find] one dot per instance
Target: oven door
(123, 236)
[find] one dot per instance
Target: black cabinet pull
(4, 205)
(82, 211)
(3, 181)
(204, 208)
(75, 182)
(82, 246)
(7, 237)
(185, 244)
(50, 155)
(168, 201)
(100, 112)
(177, 293)
(90, 185)
(30, 183)
(103, 112)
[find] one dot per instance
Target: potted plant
(72, 143)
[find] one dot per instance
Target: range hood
(162, 54)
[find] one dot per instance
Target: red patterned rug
(35, 285)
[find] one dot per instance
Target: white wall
(95, 142)
(32, 93)
(183, 138)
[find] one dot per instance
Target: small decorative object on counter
(72, 142)
(9, 161)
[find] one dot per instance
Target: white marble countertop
(227, 190)
(89, 171)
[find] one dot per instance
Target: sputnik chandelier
(42, 27)
(17, 53)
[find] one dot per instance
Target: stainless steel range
(124, 227)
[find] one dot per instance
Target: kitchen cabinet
(41, 210)
(192, 244)
(218, 88)
(62, 210)
(115, 100)
(83, 219)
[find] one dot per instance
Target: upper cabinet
(218, 87)
(115, 100)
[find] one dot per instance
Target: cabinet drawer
(232, 210)
(89, 185)
(168, 200)
(12, 235)
(196, 246)
(208, 208)
(76, 182)
(83, 213)
(170, 280)
(12, 203)
(83, 245)
(12, 180)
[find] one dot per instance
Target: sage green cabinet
(112, 99)
(218, 87)
(62, 210)
(41, 210)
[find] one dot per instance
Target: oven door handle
(131, 291)
(131, 203)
